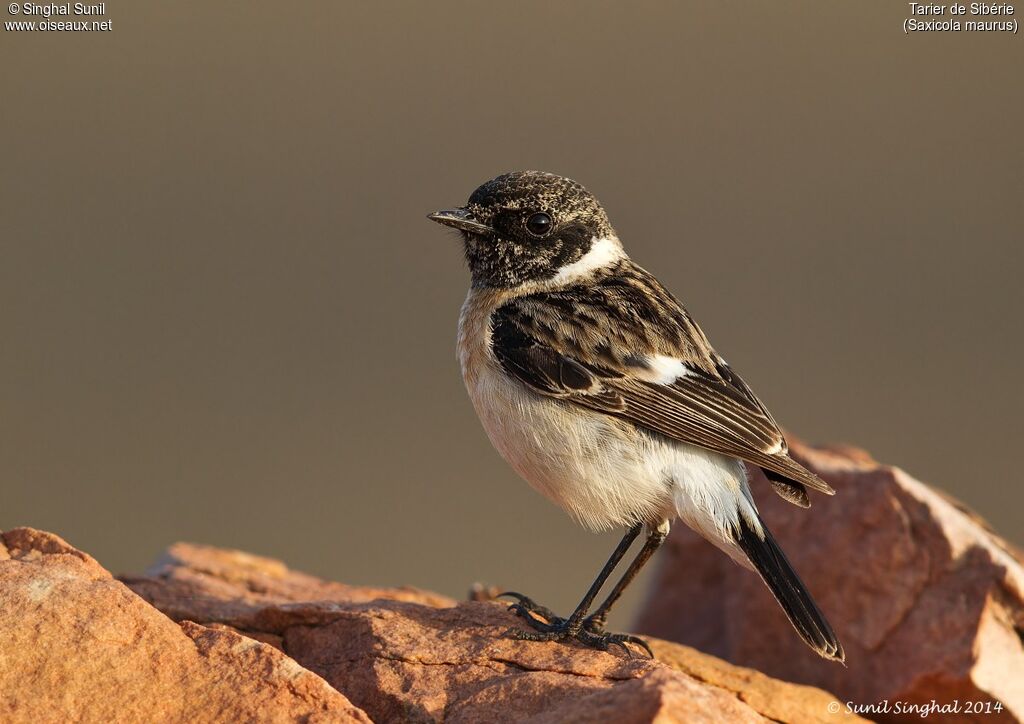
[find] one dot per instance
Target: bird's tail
(771, 563)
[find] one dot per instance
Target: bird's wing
(622, 345)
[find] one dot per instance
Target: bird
(599, 389)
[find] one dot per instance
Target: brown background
(225, 318)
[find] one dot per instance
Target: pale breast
(595, 467)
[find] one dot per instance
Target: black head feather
(538, 223)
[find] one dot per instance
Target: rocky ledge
(927, 601)
(216, 635)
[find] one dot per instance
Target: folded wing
(625, 347)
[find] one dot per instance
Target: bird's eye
(539, 224)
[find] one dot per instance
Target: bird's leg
(557, 628)
(655, 537)
(528, 609)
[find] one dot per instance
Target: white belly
(605, 473)
(593, 467)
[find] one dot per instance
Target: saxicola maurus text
(597, 387)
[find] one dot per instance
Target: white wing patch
(602, 252)
(662, 370)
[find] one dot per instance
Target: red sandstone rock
(78, 646)
(927, 601)
(415, 656)
(210, 584)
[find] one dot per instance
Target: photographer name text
(918, 709)
(53, 9)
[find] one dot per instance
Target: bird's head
(529, 226)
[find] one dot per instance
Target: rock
(928, 602)
(412, 656)
(80, 646)
(217, 585)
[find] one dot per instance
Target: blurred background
(225, 318)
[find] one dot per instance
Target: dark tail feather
(794, 492)
(790, 592)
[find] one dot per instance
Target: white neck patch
(602, 252)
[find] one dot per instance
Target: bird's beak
(460, 219)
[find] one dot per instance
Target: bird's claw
(525, 607)
(589, 632)
(602, 641)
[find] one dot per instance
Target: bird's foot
(525, 607)
(551, 627)
(564, 631)
(528, 609)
